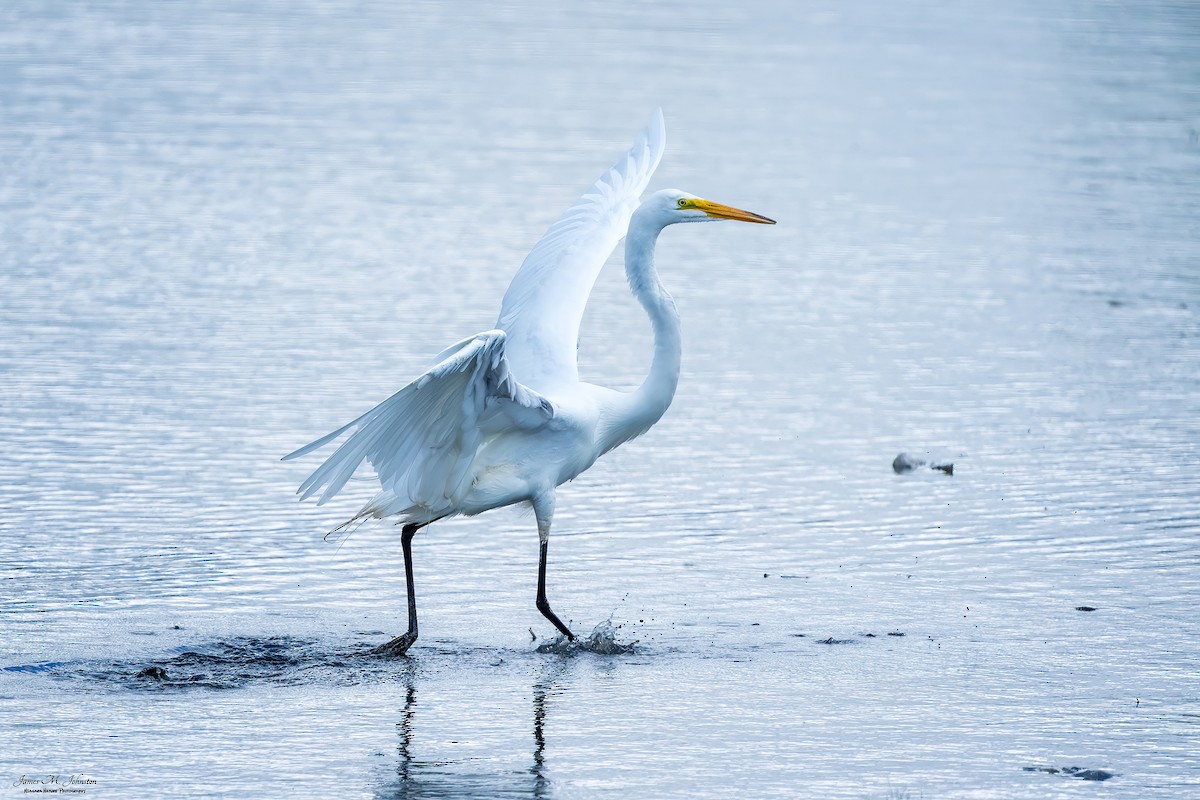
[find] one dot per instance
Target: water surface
(224, 232)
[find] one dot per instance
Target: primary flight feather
(502, 417)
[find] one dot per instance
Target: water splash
(602, 641)
(234, 663)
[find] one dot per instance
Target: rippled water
(226, 231)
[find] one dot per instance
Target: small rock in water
(153, 673)
(1075, 772)
(1089, 774)
(905, 463)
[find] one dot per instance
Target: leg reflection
(427, 768)
(543, 690)
(405, 728)
(539, 740)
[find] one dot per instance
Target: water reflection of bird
(418, 776)
(502, 417)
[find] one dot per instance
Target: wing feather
(544, 303)
(422, 440)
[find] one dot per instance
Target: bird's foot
(549, 614)
(396, 647)
(563, 629)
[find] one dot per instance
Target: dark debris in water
(907, 463)
(153, 674)
(863, 635)
(1075, 772)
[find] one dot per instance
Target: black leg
(543, 605)
(399, 646)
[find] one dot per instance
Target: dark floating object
(1089, 774)
(832, 640)
(153, 673)
(896, 633)
(905, 463)
(1075, 772)
(1085, 608)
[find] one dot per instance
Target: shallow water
(227, 232)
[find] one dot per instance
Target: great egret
(502, 417)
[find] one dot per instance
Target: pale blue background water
(224, 231)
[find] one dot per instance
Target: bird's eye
(682, 202)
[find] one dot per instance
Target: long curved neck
(637, 411)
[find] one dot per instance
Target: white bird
(502, 417)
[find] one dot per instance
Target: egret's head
(671, 205)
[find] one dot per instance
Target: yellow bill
(729, 212)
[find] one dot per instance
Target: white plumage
(502, 417)
(544, 303)
(422, 440)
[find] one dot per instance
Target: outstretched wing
(544, 304)
(422, 440)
